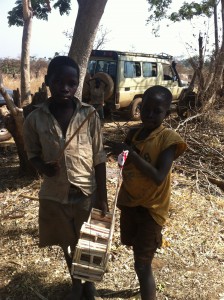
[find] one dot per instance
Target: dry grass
(189, 266)
(14, 83)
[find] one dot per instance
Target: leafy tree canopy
(159, 10)
(40, 10)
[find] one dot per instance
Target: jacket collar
(45, 105)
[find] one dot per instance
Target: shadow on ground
(32, 286)
(124, 294)
(10, 177)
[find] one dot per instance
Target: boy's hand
(117, 147)
(50, 169)
(101, 197)
(101, 205)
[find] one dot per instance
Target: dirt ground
(189, 266)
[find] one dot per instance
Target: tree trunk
(200, 63)
(14, 124)
(25, 54)
(216, 29)
(25, 168)
(211, 89)
(88, 18)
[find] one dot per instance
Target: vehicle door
(169, 80)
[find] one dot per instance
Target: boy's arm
(162, 168)
(156, 173)
(101, 201)
(34, 149)
(49, 169)
(130, 135)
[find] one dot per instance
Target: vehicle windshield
(105, 66)
(168, 73)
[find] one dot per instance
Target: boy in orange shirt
(145, 192)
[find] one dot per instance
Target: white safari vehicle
(132, 74)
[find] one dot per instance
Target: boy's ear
(46, 80)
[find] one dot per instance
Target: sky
(124, 19)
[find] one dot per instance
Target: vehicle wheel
(134, 111)
(186, 105)
(109, 83)
(4, 135)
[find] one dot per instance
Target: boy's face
(153, 112)
(63, 84)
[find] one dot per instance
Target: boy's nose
(65, 87)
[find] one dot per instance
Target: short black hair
(60, 61)
(158, 91)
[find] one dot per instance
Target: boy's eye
(72, 83)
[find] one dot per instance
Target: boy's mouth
(64, 96)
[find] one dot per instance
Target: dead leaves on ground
(189, 266)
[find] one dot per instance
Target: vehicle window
(91, 67)
(99, 66)
(167, 72)
(132, 69)
(105, 66)
(149, 69)
(112, 67)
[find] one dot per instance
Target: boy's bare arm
(156, 173)
(130, 135)
(159, 172)
(101, 202)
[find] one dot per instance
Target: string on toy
(121, 161)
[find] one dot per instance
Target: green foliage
(40, 10)
(190, 10)
(15, 16)
(159, 10)
(12, 66)
(9, 66)
(64, 6)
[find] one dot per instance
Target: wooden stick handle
(77, 130)
(114, 210)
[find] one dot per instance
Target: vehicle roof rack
(168, 56)
(161, 55)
